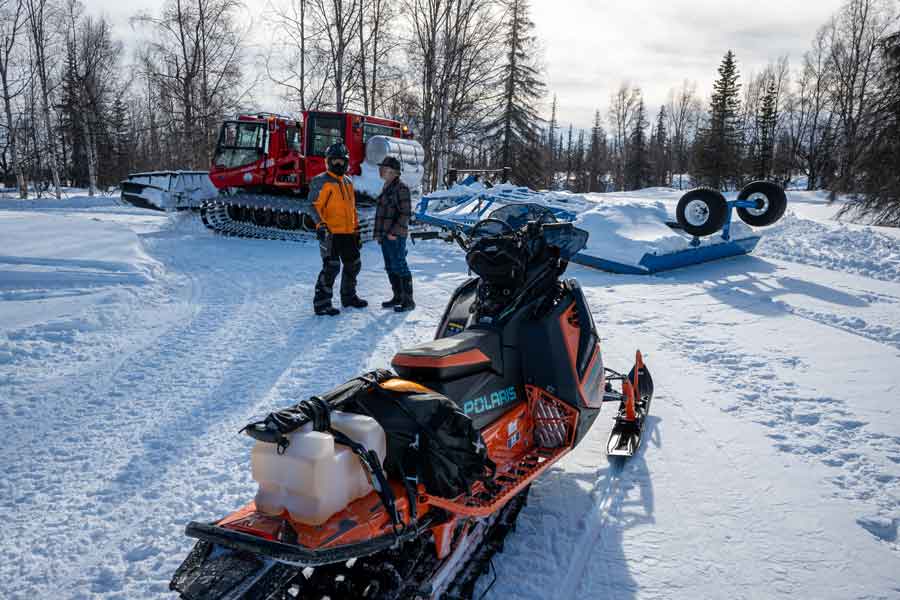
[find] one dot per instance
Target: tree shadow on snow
(748, 283)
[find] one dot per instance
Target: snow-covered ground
(133, 347)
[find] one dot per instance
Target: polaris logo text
(490, 401)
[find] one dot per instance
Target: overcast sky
(590, 46)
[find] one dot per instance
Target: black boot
(329, 311)
(407, 303)
(398, 294)
(354, 302)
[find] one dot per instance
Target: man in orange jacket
(337, 228)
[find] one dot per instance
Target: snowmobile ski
(634, 406)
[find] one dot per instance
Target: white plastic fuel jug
(315, 477)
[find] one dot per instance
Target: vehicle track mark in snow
(817, 427)
(164, 417)
(758, 384)
(604, 494)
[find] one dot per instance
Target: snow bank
(861, 250)
(62, 278)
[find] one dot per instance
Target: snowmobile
(450, 440)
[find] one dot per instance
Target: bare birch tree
(12, 80)
(455, 50)
(854, 36)
(40, 15)
(195, 60)
(296, 60)
(682, 110)
(622, 106)
(339, 21)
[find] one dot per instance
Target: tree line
(77, 112)
(464, 74)
(833, 122)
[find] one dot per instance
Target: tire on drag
(771, 200)
(701, 211)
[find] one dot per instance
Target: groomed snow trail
(771, 467)
(113, 460)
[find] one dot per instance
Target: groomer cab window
(324, 130)
(370, 130)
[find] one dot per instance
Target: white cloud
(589, 46)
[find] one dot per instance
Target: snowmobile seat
(466, 353)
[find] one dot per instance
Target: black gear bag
(429, 439)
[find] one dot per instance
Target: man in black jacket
(391, 230)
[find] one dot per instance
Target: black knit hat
(337, 150)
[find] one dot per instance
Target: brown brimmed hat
(390, 162)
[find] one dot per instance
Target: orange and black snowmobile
(404, 484)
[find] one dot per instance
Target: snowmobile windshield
(490, 227)
(518, 215)
(240, 143)
(569, 239)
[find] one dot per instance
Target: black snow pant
(336, 249)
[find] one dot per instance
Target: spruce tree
(73, 157)
(551, 146)
(568, 182)
(578, 164)
(120, 136)
(516, 131)
(637, 169)
(718, 149)
(597, 159)
(659, 150)
(766, 120)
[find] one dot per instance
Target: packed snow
(133, 347)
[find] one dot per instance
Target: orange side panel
(469, 357)
(510, 435)
(568, 324)
(516, 474)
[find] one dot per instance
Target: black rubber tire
(773, 209)
(712, 201)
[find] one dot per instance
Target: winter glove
(324, 237)
(359, 241)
